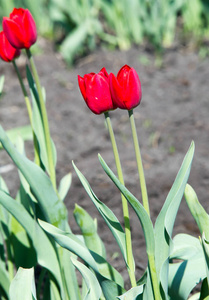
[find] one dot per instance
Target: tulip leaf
(71, 242)
(135, 293)
(109, 217)
(89, 231)
(69, 273)
(38, 126)
(64, 186)
(23, 285)
(204, 290)
(52, 208)
(46, 254)
(144, 220)
(24, 131)
(93, 288)
(4, 277)
(205, 246)
(182, 278)
(138, 208)
(166, 218)
(198, 212)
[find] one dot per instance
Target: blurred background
(77, 27)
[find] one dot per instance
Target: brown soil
(173, 112)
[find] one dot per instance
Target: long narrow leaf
(94, 290)
(184, 275)
(46, 254)
(165, 220)
(52, 208)
(138, 208)
(198, 212)
(72, 243)
(109, 217)
(23, 285)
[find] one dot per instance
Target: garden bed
(173, 112)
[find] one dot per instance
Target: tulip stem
(139, 163)
(45, 121)
(28, 105)
(130, 258)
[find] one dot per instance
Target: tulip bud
(126, 88)
(20, 28)
(7, 52)
(96, 92)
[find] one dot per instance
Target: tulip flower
(7, 51)
(126, 88)
(96, 92)
(20, 28)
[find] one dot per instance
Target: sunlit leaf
(109, 217)
(94, 290)
(52, 208)
(75, 245)
(23, 285)
(166, 218)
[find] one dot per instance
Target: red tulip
(20, 28)
(7, 52)
(126, 88)
(96, 92)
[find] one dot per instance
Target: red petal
(98, 95)
(29, 27)
(82, 87)
(104, 72)
(117, 91)
(13, 33)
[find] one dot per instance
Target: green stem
(130, 258)
(28, 105)
(45, 120)
(154, 279)
(139, 163)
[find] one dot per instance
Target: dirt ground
(173, 112)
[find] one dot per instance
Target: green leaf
(69, 273)
(185, 247)
(185, 275)
(93, 288)
(166, 218)
(37, 120)
(73, 243)
(144, 219)
(23, 285)
(135, 293)
(24, 253)
(198, 212)
(95, 244)
(109, 217)
(64, 186)
(89, 231)
(4, 278)
(24, 131)
(205, 246)
(204, 290)
(46, 253)
(52, 208)
(138, 208)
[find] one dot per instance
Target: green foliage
(77, 27)
(34, 231)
